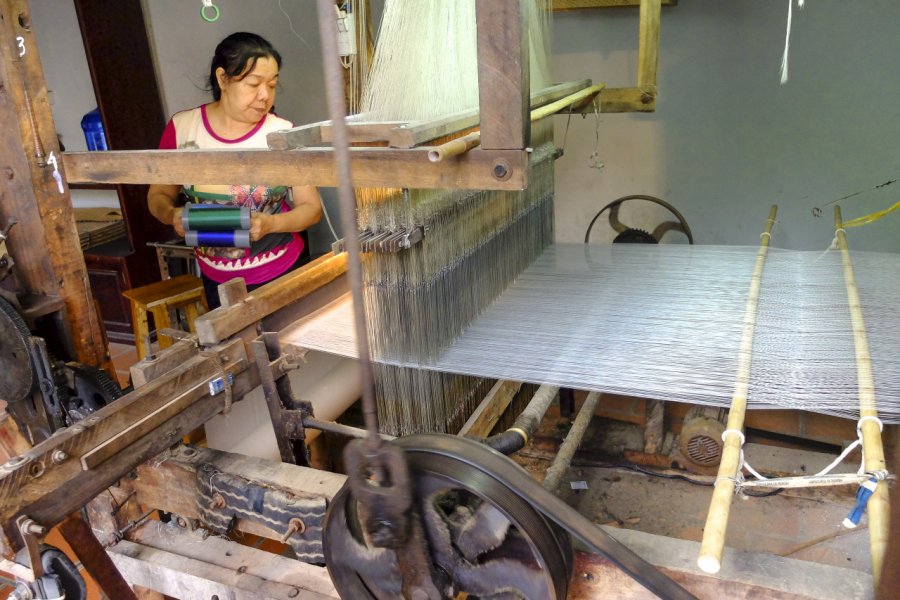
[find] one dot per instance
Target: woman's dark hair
(238, 54)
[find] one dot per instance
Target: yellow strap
(865, 220)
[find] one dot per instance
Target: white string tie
(737, 431)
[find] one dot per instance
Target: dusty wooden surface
(45, 243)
(503, 83)
(225, 321)
(489, 411)
(372, 167)
(561, 5)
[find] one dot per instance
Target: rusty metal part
(379, 480)
(528, 558)
(347, 430)
(439, 463)
(17, 377)
(658, 232)
(700, 443)
(92, 555)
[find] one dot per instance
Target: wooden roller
(465, 143)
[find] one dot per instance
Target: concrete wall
(727, 139)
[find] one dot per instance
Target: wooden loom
(51, 481)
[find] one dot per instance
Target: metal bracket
(30, 531)
(385, 241)
(285, 410)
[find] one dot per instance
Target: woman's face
(250, 97)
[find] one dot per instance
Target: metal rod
(570, 445)
(93, 556)
(334, 89)
(332, 427)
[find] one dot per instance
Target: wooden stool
(161, 299)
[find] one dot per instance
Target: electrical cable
(639, 469)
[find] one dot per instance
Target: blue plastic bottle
(94, 135)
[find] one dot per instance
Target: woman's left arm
(306, 212)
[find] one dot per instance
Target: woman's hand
(176, 221)
(261, 224)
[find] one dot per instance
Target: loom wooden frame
(51, 482)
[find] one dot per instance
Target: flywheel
(16, 372)
(483, 538)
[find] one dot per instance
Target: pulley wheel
(483, 538)
(628, 234)
(16, 373)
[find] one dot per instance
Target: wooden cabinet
(108, 275)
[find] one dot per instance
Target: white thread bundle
(425, 63)
(476, 242)
(664, 322)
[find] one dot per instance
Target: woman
(243, 78)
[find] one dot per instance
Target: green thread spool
(212, 217)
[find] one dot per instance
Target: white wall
(727, 139)
(69, 82)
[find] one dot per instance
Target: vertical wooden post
(503, 75)
(45, 244)
(648, 45)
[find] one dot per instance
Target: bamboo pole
(648, 45)
(710, 559)
(873, 450)
(464, 144)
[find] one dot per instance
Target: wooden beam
(648, 44)
(563, 5)
(298, 137)
(489, 411)
(48, 482)
(363, 132)
(372, 167)
(171, 485)
(225, 321)
(173, 562)
(633, 99)
(744, 576)
(414, 134)
(45, 243)
(503, 75)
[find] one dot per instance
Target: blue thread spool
(219, 239)
(94, 135)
